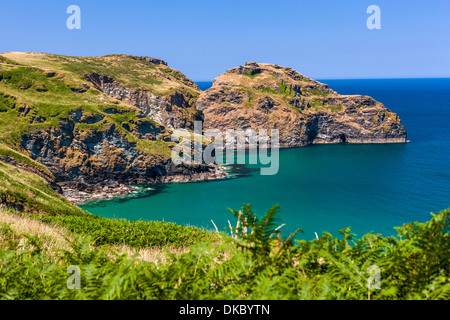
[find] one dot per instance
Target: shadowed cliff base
(101, 124)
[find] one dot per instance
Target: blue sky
(323, 39)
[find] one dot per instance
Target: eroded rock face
(93, 142)
(88, 160)
(266, 96)
(87, 150)
(151, 60)
(175, 110)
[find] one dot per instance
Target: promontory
(96, 125)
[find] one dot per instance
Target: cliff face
(100, 161)
(97, 124)
(92, 156)
(100, 123)
(267, 96)
(174, 110)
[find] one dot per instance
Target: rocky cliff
(174, 110)
(93, 126)
(97, 124)
(104, 155)
(268, 96)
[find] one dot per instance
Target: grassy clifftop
(33, 99)
(132, 71)
(143, 82)
(93, 119)
(269, 96)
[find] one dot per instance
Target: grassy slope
(277, 84)
(38, 243)
(36, 91)
(35, 199)
(127, 70)
(48, 84)
(34, 262)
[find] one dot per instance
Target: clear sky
(323, 39)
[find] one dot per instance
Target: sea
(325, 188)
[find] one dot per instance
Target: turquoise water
(328, 187)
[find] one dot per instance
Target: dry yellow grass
(53, 63)
(56, 238)
(53, 237)
(156, 255)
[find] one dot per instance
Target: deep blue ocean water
(328, 187)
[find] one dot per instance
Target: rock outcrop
(267, 96)
(105, 160)
(101, 124)
(174, 110)
(98, 124)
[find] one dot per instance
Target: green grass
(319, 104)
(10, 155)
(297, 109)
(318, 92)
(6, 102)
(286, 89)
(249, 102)
(137, 74)
(35, 199)
(57, 102)
(29, 192)
(283, 89)
(336, 108)
(316, 103)
(254, 266)
(6, 60)
(136, 234)
(268, 90)
(251, 74)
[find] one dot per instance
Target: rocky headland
(93, 127)
(305, 111)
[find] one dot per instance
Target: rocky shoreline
(116, 135)
(92, 193)
(80, 194)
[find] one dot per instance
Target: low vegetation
(34, 199)
(42, 235)
(136, 234)
(26, 191)
(255, 262)
(251, 73)
(32, 98)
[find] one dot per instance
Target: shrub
(255, 263)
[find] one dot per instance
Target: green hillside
(69, 123)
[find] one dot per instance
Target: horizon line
(314, 78)
(394, 78)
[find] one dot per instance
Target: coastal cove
(370, 187)
(195, 155)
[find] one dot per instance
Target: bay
(370, 187)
